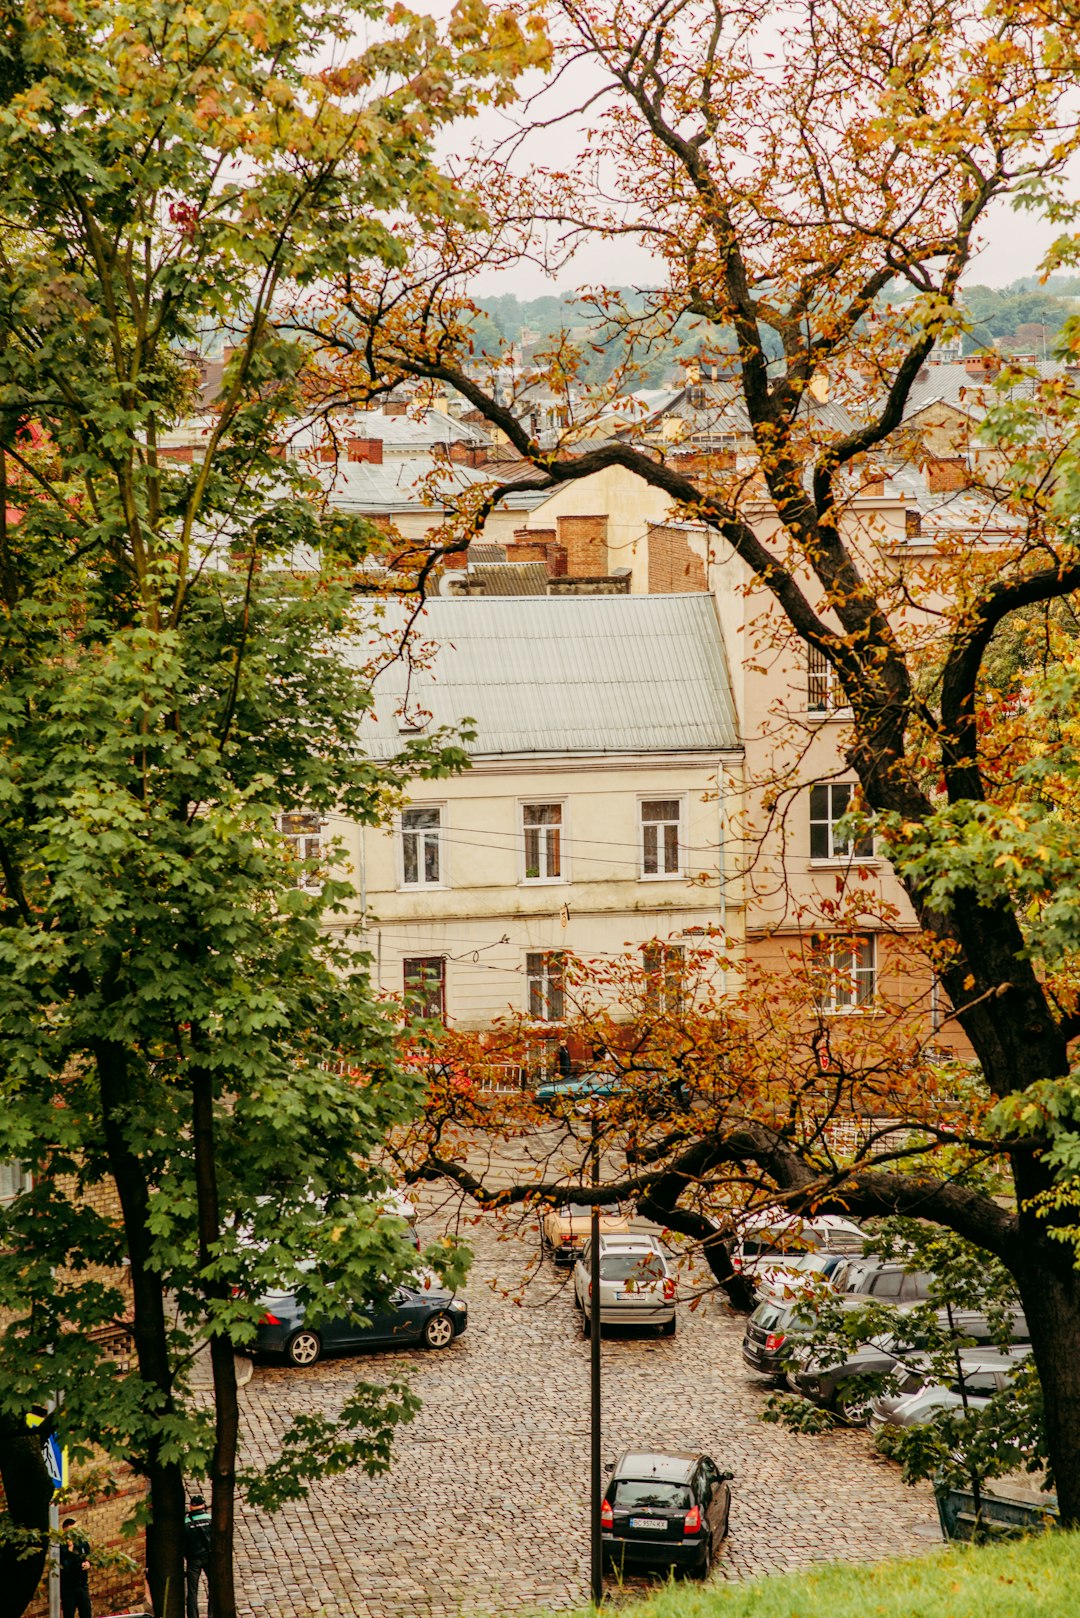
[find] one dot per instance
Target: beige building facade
(593, 817)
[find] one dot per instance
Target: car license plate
(656, 1523)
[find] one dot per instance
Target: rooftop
(587, 675)
(419, 482)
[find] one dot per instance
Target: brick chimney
(988, 363)
(585, 539)
(945, 476)
(538, 545)
(365, 449)
(466, 454)
(395, 407)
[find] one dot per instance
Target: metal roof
(415, 482)
(559, 674)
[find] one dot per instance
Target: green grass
(1029, 1578)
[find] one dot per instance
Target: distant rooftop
(400, 484)
(563, 674)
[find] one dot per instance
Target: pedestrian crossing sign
(56, 1458)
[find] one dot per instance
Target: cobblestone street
(486, 1507)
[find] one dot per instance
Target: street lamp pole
(597, 1557)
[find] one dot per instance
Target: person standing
(74, 1573)
(197, 1553)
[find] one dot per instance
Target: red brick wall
(673, 565)
(944, 476)
(553, 556)
(585, 539)
(366, 449)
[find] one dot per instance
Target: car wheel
(438, 1331)
(303, 1348)
(702, 1568)
(586, 1323)
(852, 1408)
(668, 1328)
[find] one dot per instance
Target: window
(829, 803)
(663, 965)
(425, 986)
(542, 826)
(14, 1180)
(421, 832)
(660, 819)
(545, 980)
(845, 972)
(650, 1494)
(303, 834)
(824, 693)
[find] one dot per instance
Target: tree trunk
(222, 1361)
(28, 1493)
(165, 1529)
(1049, 1286)
(714, 1245)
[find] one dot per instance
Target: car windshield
(632, 1495)
(639, 1267)
(582, 1210)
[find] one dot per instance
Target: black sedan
(426, 1315)
(665, 1508)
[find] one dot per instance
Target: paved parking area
(485, 1510)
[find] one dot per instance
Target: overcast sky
(1014, 242)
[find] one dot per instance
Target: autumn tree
(787, 167)
(175, 1024)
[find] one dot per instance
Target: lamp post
(597, 1556)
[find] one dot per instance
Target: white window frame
(544, 880)
(15, 1176)
(837, 848)
(852, 985)
(440, 830)
(550, 982)
(303, 830)
(678, 798)
(663, 966)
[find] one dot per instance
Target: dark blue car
(426, 1315)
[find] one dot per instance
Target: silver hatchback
(636, 1286)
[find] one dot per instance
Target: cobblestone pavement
(485, 1509)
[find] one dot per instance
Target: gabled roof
(953, 384)
(562, 674)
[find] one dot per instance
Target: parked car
(580, 1086)
(636, 1286)
(657, 1092)
(667, 1508)
(767, 1342)
(980, 1375)
(774, 1235)
(886, 1281)
(430, 1316)
(838, 1387)
(791, 1274)
(564, 1231)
